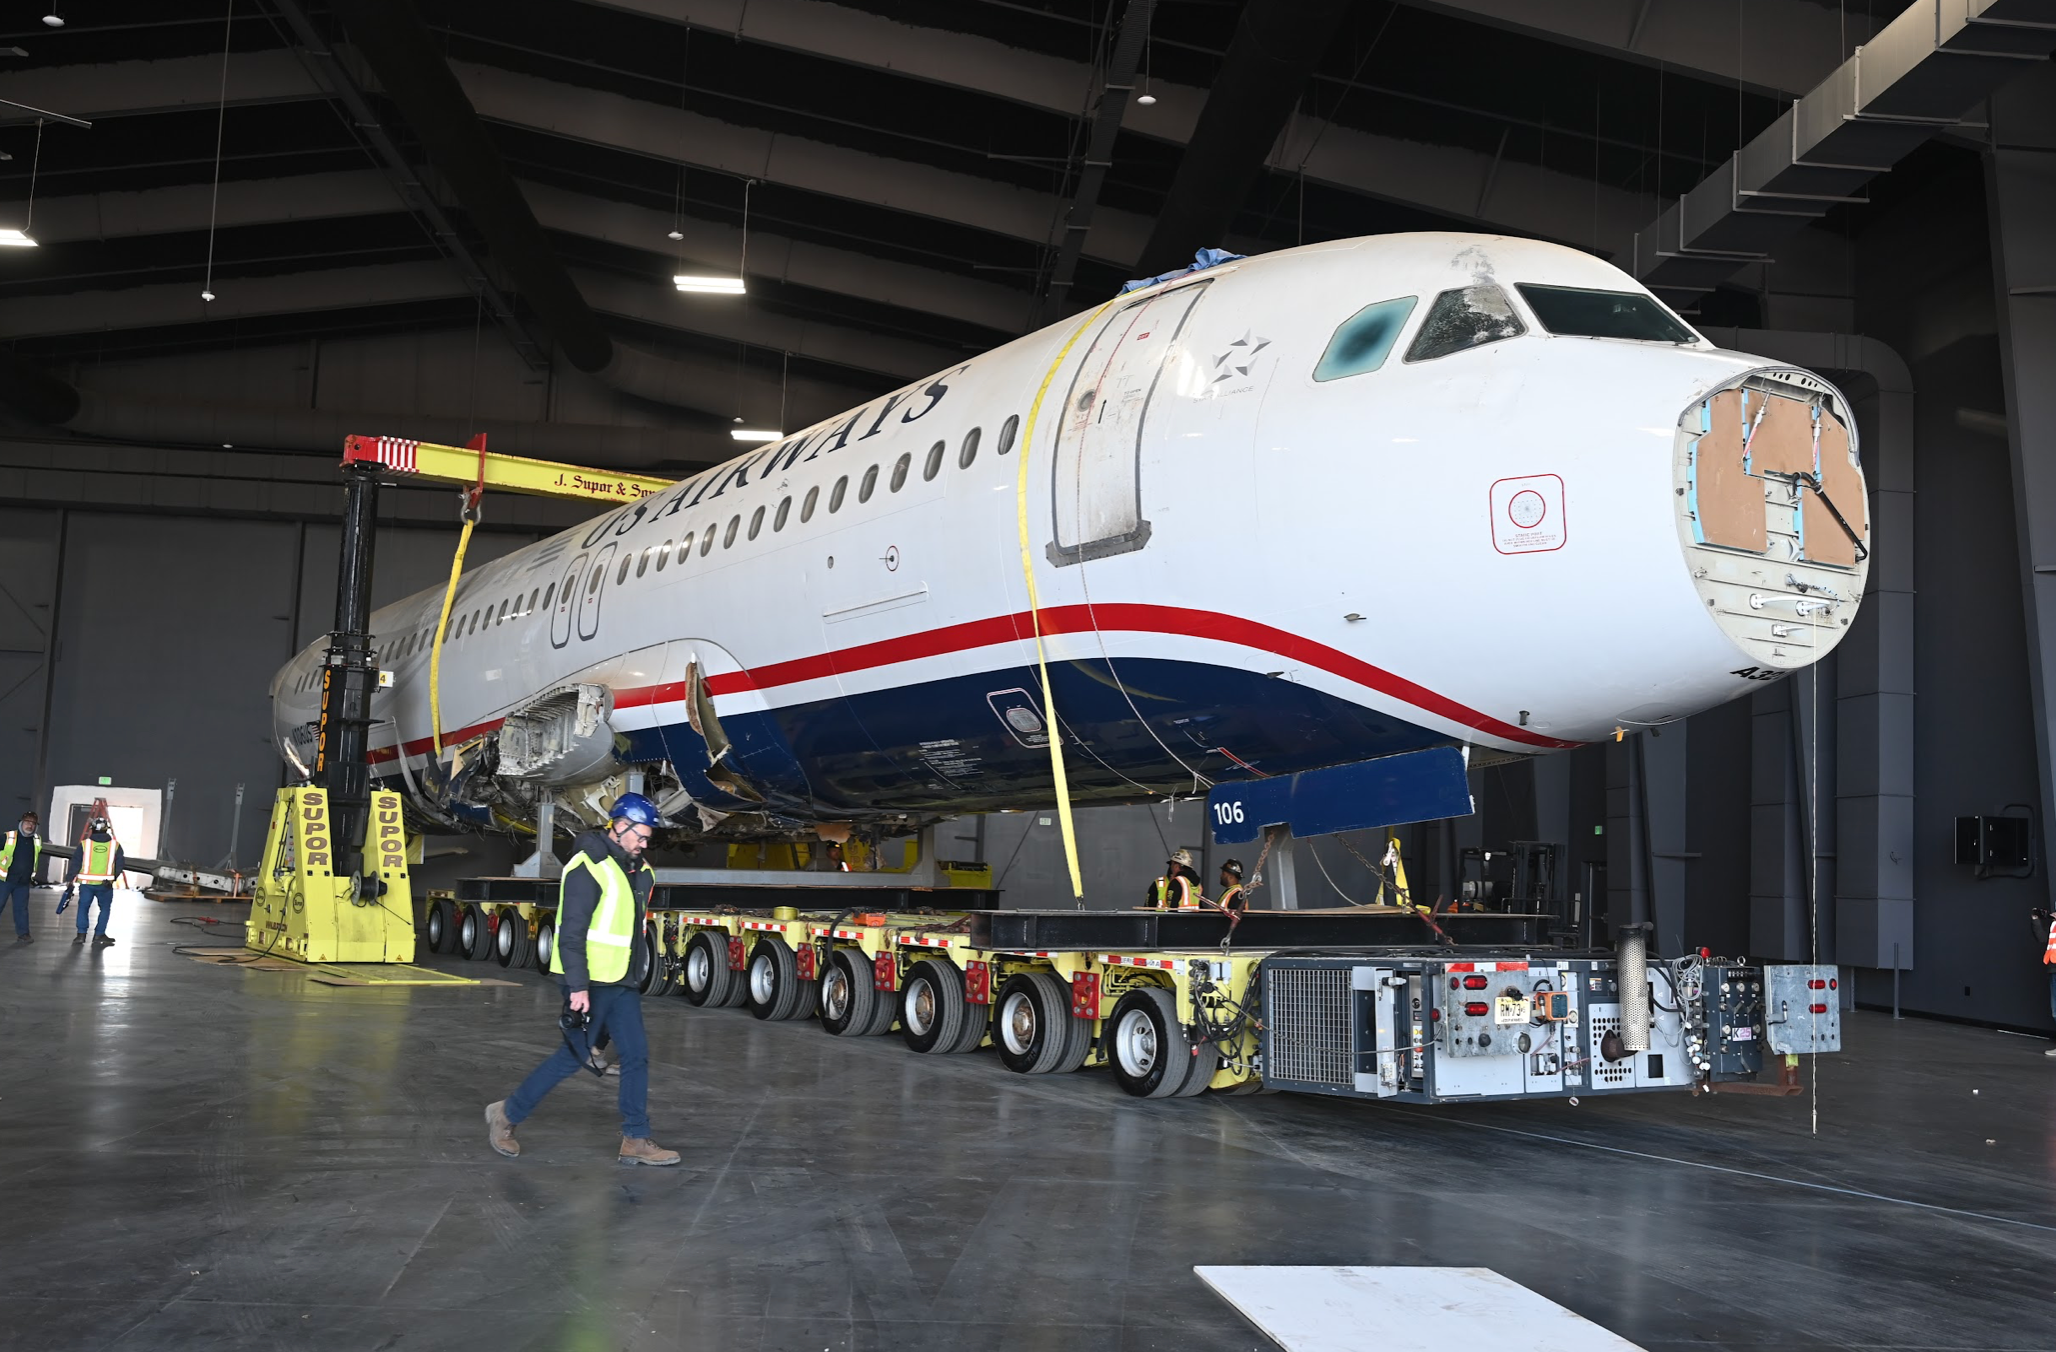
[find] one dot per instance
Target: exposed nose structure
(1772, 515)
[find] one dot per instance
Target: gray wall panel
(28, 584)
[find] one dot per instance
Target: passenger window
(900, 468)
(621, 573)
(1468, 317)
(663, 555)
(1363, 341)
(598, 576)
(970, 451)
(835, 495)
(707, 540)
(728, 536)
(934, 465)
(642, 563)
(756, 522)
(685, 547)
(807, 506)
(870, 482)
(501, 618)
(784, 510)
(1006, 434)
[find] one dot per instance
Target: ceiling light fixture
(753, 434)
(712, 286)
(11, 238)
(674, 233)
(1146, 99)
(53, 18)
(13, 51)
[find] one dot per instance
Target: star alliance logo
(1239, 357)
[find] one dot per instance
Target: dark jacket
(581, 897)
(78, 861)
(23, 869)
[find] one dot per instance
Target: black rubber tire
(1200, 1069)
(474, 933)
(1147, 1049)
(771, 976)
(706, 979)
(1031, 1023)
(738, 982)
(977, 1023)
(931, 1006)
(643, 965)
(849, 1000)
(510, 939)
(438, 926)
(545, 942)
(885, 1005)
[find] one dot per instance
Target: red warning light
(1477, 1009)
(1476, 983)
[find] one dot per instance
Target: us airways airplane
(1287, 511)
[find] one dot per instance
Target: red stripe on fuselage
(1116, 617)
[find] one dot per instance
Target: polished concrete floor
(196, 1157)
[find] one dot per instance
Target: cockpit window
(1468, 317)
(1603, 314)
(1365, 339)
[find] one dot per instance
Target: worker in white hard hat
(1177, 889)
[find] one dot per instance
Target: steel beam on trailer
(820, 895)
(1127, 931)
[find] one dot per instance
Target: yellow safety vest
(611, 937)
(96, 865)
(1185, 899)
(2049, 953)
(1231, 898)
(7, 853)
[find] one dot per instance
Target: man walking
(2045, 918)
(94, 868)
(600, 913)
(18, 860)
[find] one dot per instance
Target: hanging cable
(35, 164)
(472, 498)
(220, 124)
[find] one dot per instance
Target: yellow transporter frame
(784, 963)
(302, 909)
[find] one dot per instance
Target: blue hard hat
(635, 808)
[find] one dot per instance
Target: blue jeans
(90, 893)
(616, 1010)
(18, 893)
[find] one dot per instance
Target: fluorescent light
(753, 434)
(11, 238)
(712, 286)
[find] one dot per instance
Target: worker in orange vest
(2045, 923)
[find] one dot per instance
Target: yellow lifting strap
(1049, 704)
(475, 467)
(1394, 872)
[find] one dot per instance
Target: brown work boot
(499, 1132)
(642, 1150)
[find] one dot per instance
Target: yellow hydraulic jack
(308, 908)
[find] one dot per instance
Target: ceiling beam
(175, 84)
(185, 207)
(1776, 48)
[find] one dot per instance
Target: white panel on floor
(1403, 1309)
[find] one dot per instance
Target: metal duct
(1632, 955)
(1919, 76)
(1277, 45)
(415, 77)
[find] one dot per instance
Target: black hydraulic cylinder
(343, 759)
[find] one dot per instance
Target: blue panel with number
(1418, 786)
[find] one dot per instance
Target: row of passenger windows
(658, 556)
(1471, 316)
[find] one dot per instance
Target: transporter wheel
(706, 977)
(475, 933)
(1150, 1054)
(772, 978)
(931, 1006)
(738, 993)
(1253, 1085)
(849, 1001)
(510, 940)
(978, 1022)
(545, 943)
(642, 960)
(438, 926)
(1032, 1024)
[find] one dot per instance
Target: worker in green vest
(601, 907)
(94, 869)
(19, 858)
(1177, 887)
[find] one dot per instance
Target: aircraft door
(567, 601)
(594, 591)
(1096, 474)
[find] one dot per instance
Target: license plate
(1510, 1009)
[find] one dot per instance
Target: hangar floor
(199, 1157)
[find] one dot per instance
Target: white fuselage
(1239, 568)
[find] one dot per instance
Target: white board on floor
(1403, 1309)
